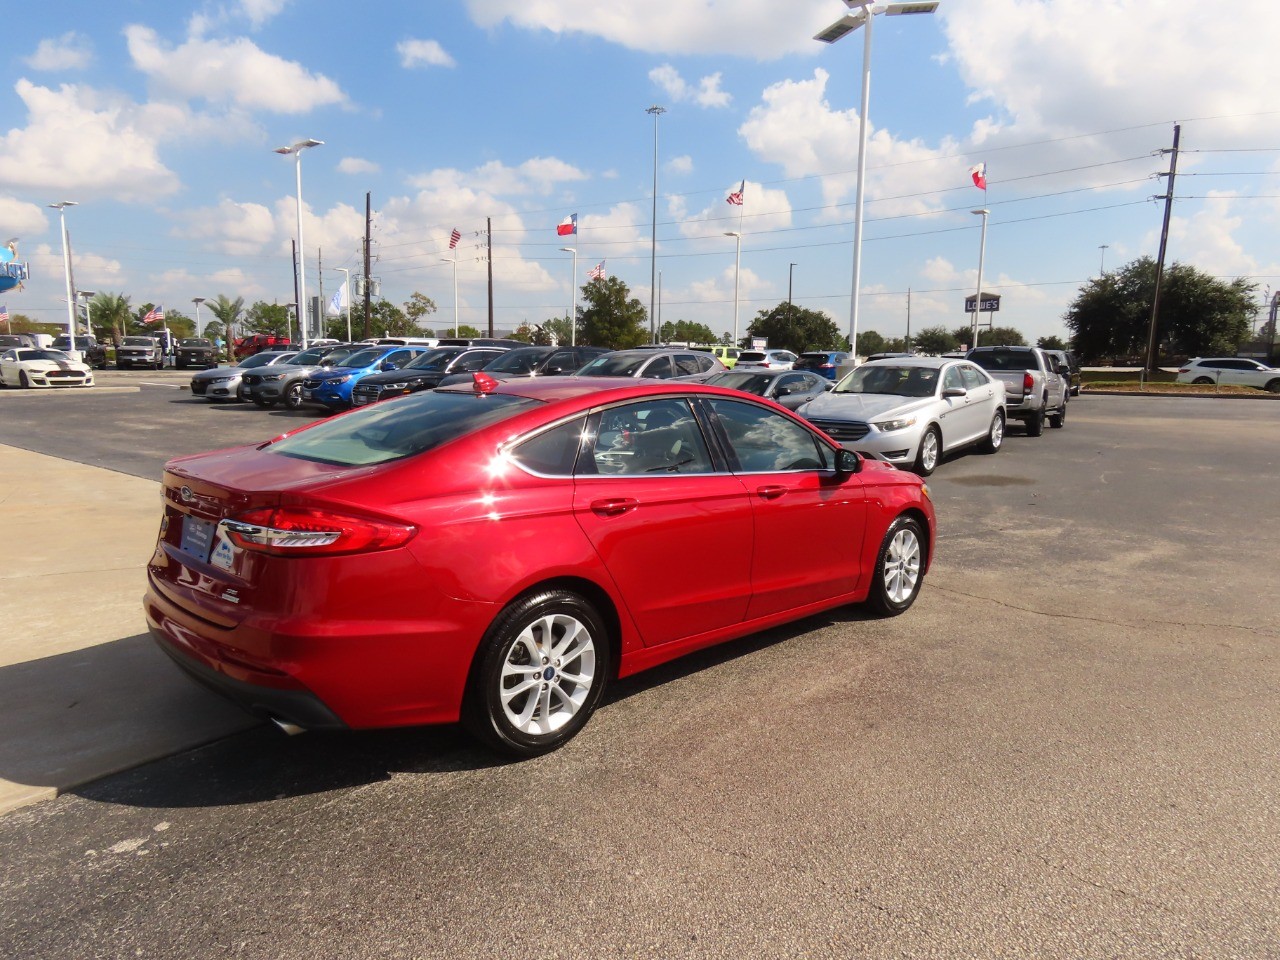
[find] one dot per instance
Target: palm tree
(227, 312)
(111, 310)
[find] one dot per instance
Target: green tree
(870, 342)
(788, 327)
(1004, 336)
(611, 319)
(265, 317)
(227, 312)
(418, 306)
(1051, 343)
(684, 331)
(1199, 314)
(385, 320)
(212, 330)
(938, 340)
(111, 312)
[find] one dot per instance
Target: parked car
(480, 342)
(224, 383)
(424, 373)
(1074, 378)
(247, 346)
(139, 352)
(281, 383)
(825, 362)
(346, 575)
(791, 388)
(1237, 371)
(37, 367)
(768, 359)
(532, 362)
(912, 410)
(725, 354)
(91, 351)
(331, 388)
(1035, 390)
(662, 364)
(195, 352)
(10, 340)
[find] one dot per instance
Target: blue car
(331, 388)
(825, 363)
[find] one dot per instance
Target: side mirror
(847, 463)
(556, 371)
(955, 392)
(326, 362)
(1064, 369)
(387, 365)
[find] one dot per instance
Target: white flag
(338, 302)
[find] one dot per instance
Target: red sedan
(496, 553)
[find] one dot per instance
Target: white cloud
(356, 165)
(539, 175)
(236, 229)
(679, 165)
(21, 219)
(706, 94)
(762, 210)
(71, 51)
(423, 53)
(259, 12)
(230, 71)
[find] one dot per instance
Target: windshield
(615, 365)
(309, 357)
(515, 361)
(137, 342)
(891, 380)
(259, 360)
(43, 355)
(435, 360)
(365, 358)
(195, 342)
(82, 343)
(398, 429)
(756, 383)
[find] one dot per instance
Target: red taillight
(1028, 383)
(826, 366)
(1185, 370)
(299, 531)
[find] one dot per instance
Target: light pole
(88, 317)
(296, 149)
(346, 286)
(864, 14)
(573, 298)
(655, 111)
(197, 301)
(982, 250)
(737, 270)
(1102, 263)
(454, 261)
(61, 207)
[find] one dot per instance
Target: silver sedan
(791, 388)
(223, 383)
(910, 411)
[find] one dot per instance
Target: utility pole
(368, 230)
(320, 301)
(1152, 337)
(488, 229)
(906, 344)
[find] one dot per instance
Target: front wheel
(995, 435)
(930, 451)
(899, 570)
(293, 397)
(1203, 381)
(538, 675)
(23, 382)
(1273, 386)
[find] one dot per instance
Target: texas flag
(568, 226)
(979, 174)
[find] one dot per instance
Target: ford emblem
(186, 494)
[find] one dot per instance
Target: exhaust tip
(292, 729)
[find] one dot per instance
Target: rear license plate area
(197, 537)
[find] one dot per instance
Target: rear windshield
(756, 383)
(751, 355)
(399, 428)
(1004, 359)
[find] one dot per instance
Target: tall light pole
(790, 269)
(573, 298)
(737, 270)
(346, 285)
(655, 111)
(197, 301)
(864, 14)
(454, 261)
(296, 149)
(61, 207)
(88, 317)
(1102, 263)
(982, 250)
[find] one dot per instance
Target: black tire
(23, 382)
(1203, 381)
(506, 674)
(293, 397)
(1273, 386)
(995, 435)
(899, 570)
(1035, 426)
(1058, 420)
(262, 404)
(930, 452)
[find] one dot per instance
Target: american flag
(454, 238)
(735, 198)
(154, 314)
(4, 314)
(596, 272)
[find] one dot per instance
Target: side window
(473, 363)
(566, 361)
(687, 364)
(764, 441)
(658, 367)
(551, 452)
(953, 379)
(648, 437)
(789, 384)
(972, 378)
(400, 358)
(733, 353)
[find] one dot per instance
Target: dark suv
(91, 351)
(195, 352)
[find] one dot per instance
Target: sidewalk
(83, 692)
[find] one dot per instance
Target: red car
(243, 347)
(496, 553)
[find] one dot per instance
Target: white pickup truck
(1034, 390)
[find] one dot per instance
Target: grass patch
(1132, 385)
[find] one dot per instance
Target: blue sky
(160, 119)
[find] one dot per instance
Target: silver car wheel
(902, 565)
(929, 450)
(548, 674)
(996, 437)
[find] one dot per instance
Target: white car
(1238, 371)
(910, 411)
(766, 359)
(35, 367)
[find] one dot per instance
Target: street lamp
(655, 111)
(346, 286)
(864, 14)
(454, 261)
(61, 207)
(1102, 263)
(296, 149)
(88, 317)
(790, 269)
(197, 301)
(573, 298)
(982, 250)
(737, 269)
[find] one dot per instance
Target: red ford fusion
(496, 553)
